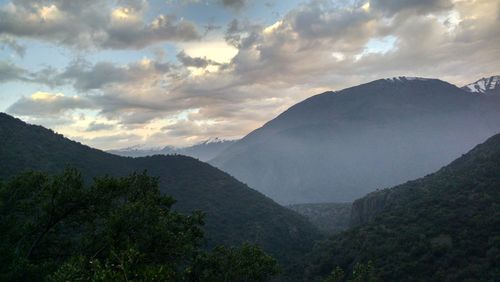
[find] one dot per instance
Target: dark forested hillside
(56, 228)
(330, 218)
(443, 227)
(234, 212)
(338, 146)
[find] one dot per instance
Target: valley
(441, 209)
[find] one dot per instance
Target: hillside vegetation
(443, 227)
(55, 228)
(234, 213)
(328, 217)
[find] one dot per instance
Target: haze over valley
(237, 140)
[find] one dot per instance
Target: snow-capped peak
(405, 78)
(138, 147)
(485, 85)
(212, 140)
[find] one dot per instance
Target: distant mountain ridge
(234, 212)
(338, 146)
(204, 151)
(486, 85)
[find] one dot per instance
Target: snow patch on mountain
(485, 85)
(405, 78)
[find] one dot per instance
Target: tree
(246, 263)
(337, 275)
(363, 273)
(360, 273)
(118, 229)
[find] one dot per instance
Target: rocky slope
(486, 85)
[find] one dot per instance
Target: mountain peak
(485, 85)
(213, 140)
(405, 78)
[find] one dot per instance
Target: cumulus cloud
(93, 24)
(85, 76)
(47, 104)
(391, 7)
(317, 46)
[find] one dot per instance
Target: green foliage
(234, 213)
(118, 229)
(337, 275)
(246, 263)
(360, 273)
(363, 273)
(331, 218)
(443, 227)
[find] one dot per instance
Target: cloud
(196, 62)
(47, 104)
(95, 126)
(317, 46)
(391, 7)
(85, 76)
(11, 43)
(93, 24)
(11, 72)
(235, 4)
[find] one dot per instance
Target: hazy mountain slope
(204, 151)
(330, 218)
(338, 146)
(486, 85)
(234, 212)
(443, 227)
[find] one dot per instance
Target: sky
(113, 74)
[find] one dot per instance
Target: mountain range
(338, 146)
(341, 146)
(234, 212)
(204, 151)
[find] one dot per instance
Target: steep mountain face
(442, 227)
(338, 146)
(486, 85)
(204, 151)
(234, 212)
